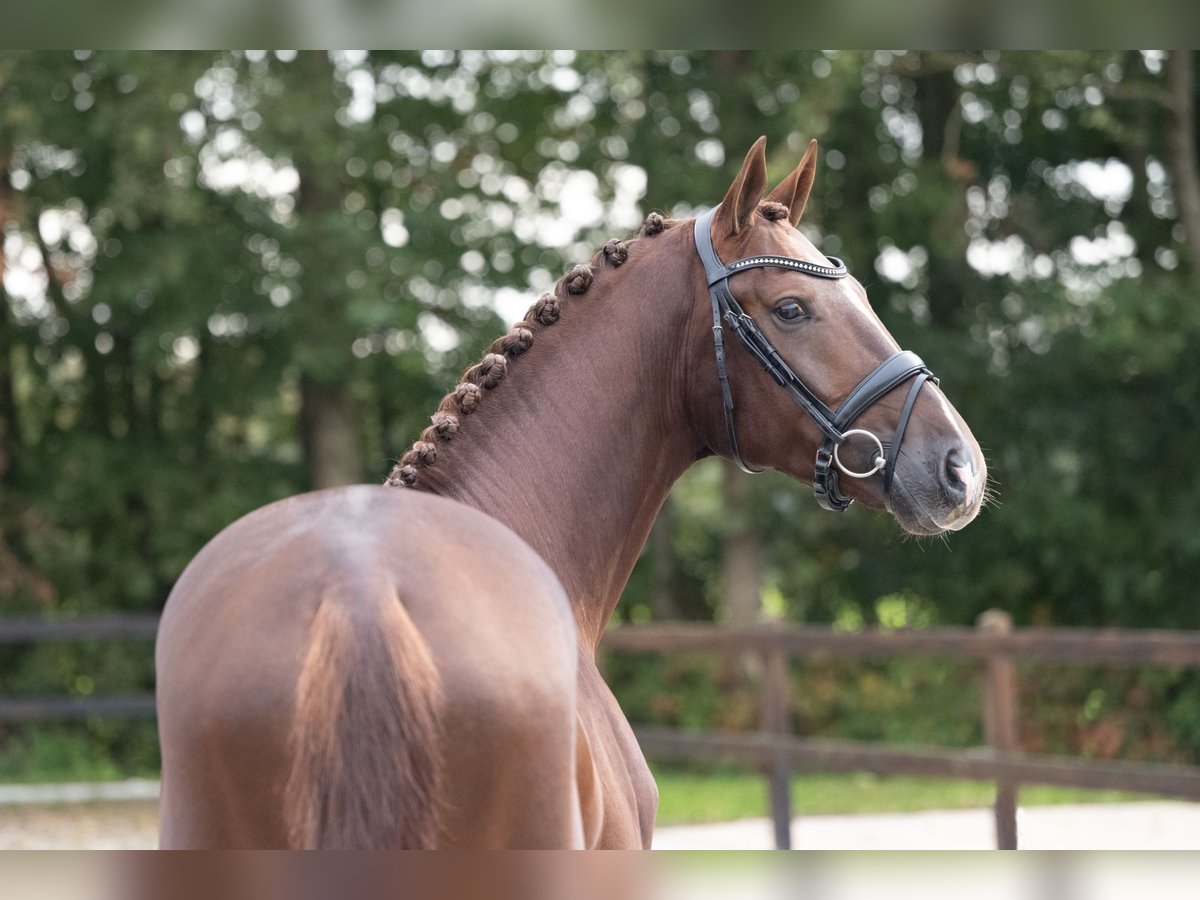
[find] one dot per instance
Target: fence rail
(774, 749)
(31, 630)
(994, 643)
(37, 630)
(1068, 646)
(976, 764)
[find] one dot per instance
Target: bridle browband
(892, 372)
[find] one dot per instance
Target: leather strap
(892, 451)
(726, 393)
(768, 357)
(892, 371)
(837, 270)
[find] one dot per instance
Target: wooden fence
(994, 643)
(774, 749)
(42, 631)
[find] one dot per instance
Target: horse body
(387, 667)
(282, 592)
(489, 601)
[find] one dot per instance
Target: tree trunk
(741, 603)
(329, 434)
(937, 110)
(664, 604)
(1135, 151)
(1181, 149)
(7, 399)
(331, 426)
(740, 552)
(17, 578)
(949, 275)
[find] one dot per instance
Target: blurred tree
(1180, 143)
(229, 277)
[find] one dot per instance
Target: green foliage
(903, 700)
(719, 795)
(97, 751)
(193, 241)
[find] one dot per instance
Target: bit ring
(880, 460)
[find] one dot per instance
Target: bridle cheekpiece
(834, 423)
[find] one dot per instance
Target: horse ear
(793, 191)
(743, 196)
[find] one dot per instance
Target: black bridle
(893, 371)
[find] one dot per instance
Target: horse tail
(365, 732)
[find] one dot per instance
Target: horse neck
(577, 449)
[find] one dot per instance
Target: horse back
(331, 666)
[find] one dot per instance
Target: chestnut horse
(413, 665)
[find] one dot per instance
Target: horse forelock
(490, 371)
(773, 211)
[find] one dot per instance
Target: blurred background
(232, 277)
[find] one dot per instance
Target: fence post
(1000, 723)
(776, 714)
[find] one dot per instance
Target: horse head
(811, 382)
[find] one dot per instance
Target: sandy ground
(124, 825)
(1124, 826)
(125, 816)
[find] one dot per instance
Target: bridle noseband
(890, 373)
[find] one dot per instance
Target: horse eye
(790, 312)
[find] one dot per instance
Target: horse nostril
(954, 461)
(958, 475)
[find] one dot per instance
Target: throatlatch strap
(726, 393)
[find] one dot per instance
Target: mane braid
(486, 374)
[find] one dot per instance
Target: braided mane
(491, 370)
